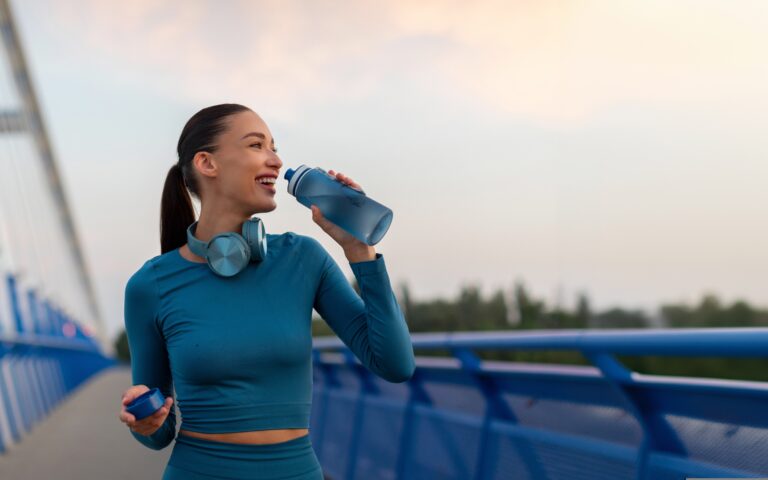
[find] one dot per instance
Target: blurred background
(550, 164)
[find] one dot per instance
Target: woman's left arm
(373, 326)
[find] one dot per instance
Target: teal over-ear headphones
(229, 253)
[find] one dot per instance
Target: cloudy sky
(611, 147)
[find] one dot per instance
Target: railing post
(329, 381)
(416, 396)
(620, 377)
(33, 311)
(10, 399)
(495, 408)
(15, 308)
(5, 431)
(367, 387)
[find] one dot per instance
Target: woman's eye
(259, 144)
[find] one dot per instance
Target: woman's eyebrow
(256, 134)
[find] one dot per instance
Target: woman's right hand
(147, 425)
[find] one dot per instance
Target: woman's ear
(205, 164)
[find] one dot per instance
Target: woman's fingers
(163, 411)
(128, 396)
(133, 392)
(319, 218)
(149, 425)
(126, 417)
(345, 180)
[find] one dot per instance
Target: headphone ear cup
(255, 234)
(228, 254)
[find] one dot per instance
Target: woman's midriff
(255, 437)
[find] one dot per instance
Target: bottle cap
(146, 404)
(294, 177)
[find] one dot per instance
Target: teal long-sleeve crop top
(237, 350)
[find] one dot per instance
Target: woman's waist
(250, 437)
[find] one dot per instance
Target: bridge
(459, 417)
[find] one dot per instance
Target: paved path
(83, 439)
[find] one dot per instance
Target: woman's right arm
(149, 357)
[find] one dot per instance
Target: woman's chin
(265, 206)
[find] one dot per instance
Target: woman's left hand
(341, 236)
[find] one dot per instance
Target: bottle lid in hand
(146, 404)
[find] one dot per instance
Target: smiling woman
(236, 349)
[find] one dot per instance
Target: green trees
(121, 347)
(519, 309)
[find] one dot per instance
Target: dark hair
(198, 135)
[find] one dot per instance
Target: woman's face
(246, 151)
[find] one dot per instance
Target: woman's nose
(275, 160)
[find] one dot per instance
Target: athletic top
(238, 350)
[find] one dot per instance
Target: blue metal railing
(37, 372)
(461, 417)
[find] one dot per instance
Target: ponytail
(176, 211)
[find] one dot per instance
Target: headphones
(229, 253)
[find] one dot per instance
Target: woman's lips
(268, 187)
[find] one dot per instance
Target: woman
(237, 349)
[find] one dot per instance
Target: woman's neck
(211, 224)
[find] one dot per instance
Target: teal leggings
(199, 459)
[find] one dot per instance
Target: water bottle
(351, 209)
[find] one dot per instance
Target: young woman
(237, 349)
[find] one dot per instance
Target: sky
(615, 148)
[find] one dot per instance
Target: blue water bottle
(364, 218)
